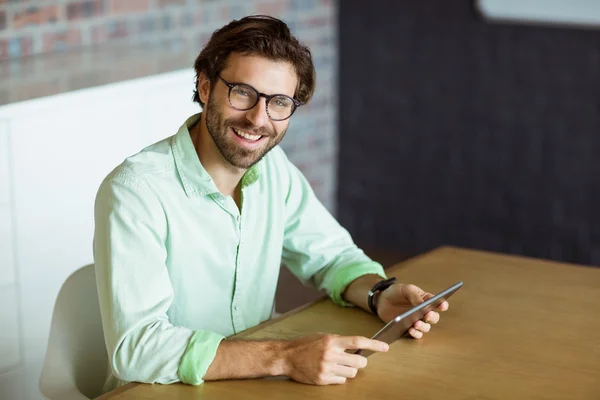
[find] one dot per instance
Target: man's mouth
(245, 135)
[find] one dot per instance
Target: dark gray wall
(457, 131)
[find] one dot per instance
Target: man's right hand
(321, 359)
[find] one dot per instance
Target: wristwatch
(379, 287)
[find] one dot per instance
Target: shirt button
(235, 308)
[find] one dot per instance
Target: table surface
(519, 328)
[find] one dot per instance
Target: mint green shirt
(179, 266)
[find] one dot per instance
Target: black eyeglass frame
(268, 98)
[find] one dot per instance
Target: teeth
(246, 135)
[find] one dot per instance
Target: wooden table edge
(118, 391)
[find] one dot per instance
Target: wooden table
(519, 329)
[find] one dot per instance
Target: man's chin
(244, 166)
(244, 158)
(243, 162)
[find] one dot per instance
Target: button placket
(237, 318)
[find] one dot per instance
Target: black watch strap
(379, 287)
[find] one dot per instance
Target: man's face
(244, 137)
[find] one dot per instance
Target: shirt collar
(195, 179)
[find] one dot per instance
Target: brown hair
(260, 35)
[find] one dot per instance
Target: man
(190, 232)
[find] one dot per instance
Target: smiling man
(190, 232)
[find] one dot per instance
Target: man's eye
(282, 103)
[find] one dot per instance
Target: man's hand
(322, 359)
(401, 297)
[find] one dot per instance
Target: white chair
(76, 361)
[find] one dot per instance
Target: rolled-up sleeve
(317, 249)
(135, 291)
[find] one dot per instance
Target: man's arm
(135, 292)
(357, 291)
(316, 248)
(318, 359)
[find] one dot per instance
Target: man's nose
(258, 114)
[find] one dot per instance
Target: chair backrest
(76, 361)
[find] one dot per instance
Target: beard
(220, 129)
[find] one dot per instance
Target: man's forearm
(358, 290)
(318, 359)
(239, 359)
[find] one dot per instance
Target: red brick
(315, 22)
(98, 34)
(84, 9)
(198, 16)
(26, 46)
(35, 16)
(204, 37)
(67, 39)
(3, 49)
(117, 30)
(127, 6)
(316, 184)
(274, 8)
(99, 8)
(225, 13)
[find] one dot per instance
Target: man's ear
(203, 87)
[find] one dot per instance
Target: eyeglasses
(244, 97)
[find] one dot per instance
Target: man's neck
(226, 177)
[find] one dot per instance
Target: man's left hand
(401, 297)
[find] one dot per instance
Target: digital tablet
(398, 327)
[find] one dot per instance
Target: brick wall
(30, 27)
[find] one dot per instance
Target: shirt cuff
(199, 354)
(349, 273)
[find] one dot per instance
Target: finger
(422, 326)
(361, 342)
(330, 379)
(432, 317)
(415, 333)
(444, 306)
(336, 380)
(344, 371)
(427, 296)
(351, 360)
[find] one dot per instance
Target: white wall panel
(4, 165)
(61, 148)
(7, 265)
(10, 356)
